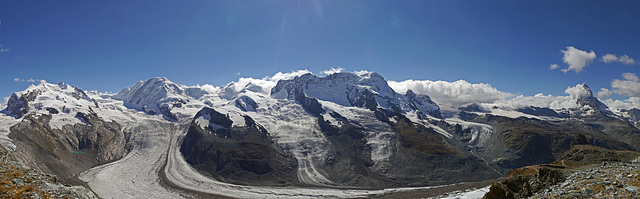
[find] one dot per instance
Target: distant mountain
(54, 121)
(340, 130)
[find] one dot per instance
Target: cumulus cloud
(576, 59)
(577, 91)
(333, 70)
(24, 80)
(604, 93)
(451, 94)
(629, 86)
(265, 84)
(553, 66)
(624, 59)
(631, 102)
(538, 100)
(542, 100)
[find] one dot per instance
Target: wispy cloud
(624, 59)
(23, 80)
(576, 59)
(3, 50)
(553, 66)
(333, 70)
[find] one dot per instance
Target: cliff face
(237, 154)
(70, 150)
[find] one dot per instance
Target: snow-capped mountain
(341, 130)
(159, 96)
(365, 90)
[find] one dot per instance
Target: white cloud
(333, 70)
(362, 72)
(2, 50)
(577, 91)
(576, 59)
(608, 58)
(553, 66)
(631, 102)
(542, 100)
(624, 59)
(604, 93)
(265, 83)
(630, 86)
(451, 94)
(538, 100)
(24, 80)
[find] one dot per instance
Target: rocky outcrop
(423, 104)
(18, 181)
(524, 182)
(242, 154)
(567, 176)
(609, 180)
(18, 106)
(70, 150)
(5, 156)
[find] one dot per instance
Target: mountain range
(343, 131)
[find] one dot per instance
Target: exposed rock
(18, 181)
(237, 154)
(524, 182)
(540, 111)
(70, 150)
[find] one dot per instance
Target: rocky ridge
(584, 171)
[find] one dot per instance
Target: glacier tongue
(296, 131)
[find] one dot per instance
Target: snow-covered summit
(158, 96)
(366, 90)
(64, 102)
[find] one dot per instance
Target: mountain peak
(588, 93)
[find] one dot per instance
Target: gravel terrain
(610, 180)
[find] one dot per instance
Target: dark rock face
(416, 101)
(472, 108)
(519, 142)
(634, 114)
(421, 157)
(540, 111)
(245, 103)
(18, 106)
(524, 182)
(237, 154)
(71, 150)
(310, 104)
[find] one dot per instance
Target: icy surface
(468, 194)
(5, 123)
(480, 133)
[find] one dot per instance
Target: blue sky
(110, 45)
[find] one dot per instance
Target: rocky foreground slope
(585, 171)
(18, 181)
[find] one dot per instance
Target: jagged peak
(588, 93)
